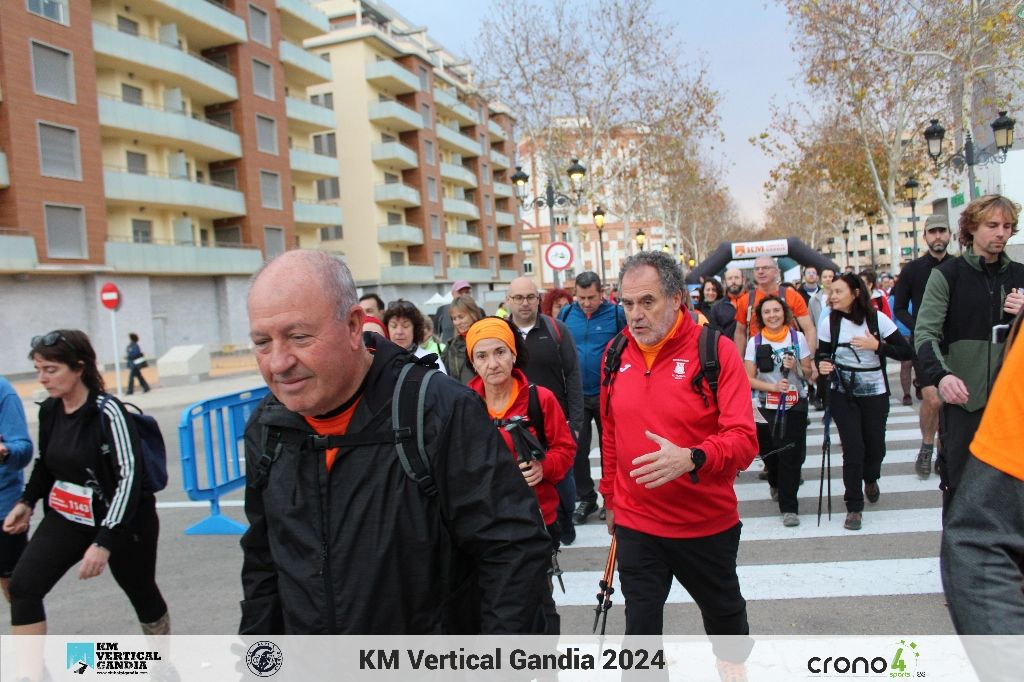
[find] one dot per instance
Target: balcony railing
(458, 174)
(461, 143)
(206, 139)
(463, 242)
(401, 234)
(395, 153)
(156, 188)
(17, 250)
(461, 207)
(169, 257)
(307, 117)
(396, 193)
(303, 67)
(395, 115)
(393, 76)
(301, 20)
(317, 213)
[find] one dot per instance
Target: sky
(746, 44)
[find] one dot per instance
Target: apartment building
(424, 160)
(163, 145)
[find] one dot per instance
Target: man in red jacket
(670, 459)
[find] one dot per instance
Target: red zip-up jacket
(561, 444)
(662, 400)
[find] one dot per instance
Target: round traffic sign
(558, 255)
(110, 296)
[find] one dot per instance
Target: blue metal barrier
(216, 427)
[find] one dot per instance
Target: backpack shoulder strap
(872, 320)
(833, 329)
(536, 415)
(409, 398)
(553, 329)
(707, 350)
(612, 358)
(758, 339)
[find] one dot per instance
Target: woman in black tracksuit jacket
(860, 389)
(89, 474)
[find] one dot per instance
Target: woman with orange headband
(497, 353)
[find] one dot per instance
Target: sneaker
(907, 401)
(774, 493)
(923, 465)
(852, 521)
(603, 514)
(584, 509)
(871, 491)
(789, 519)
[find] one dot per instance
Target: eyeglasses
(47, 340)
(529, 298)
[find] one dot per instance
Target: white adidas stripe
(789, 581)
(756, 528)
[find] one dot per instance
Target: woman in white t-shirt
(860, 389)
(778, 363)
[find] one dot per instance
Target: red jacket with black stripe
(662, 400)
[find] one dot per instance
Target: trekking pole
(826, 447)
(605, 592)
(556, 570)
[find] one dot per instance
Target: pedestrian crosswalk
(808, 578)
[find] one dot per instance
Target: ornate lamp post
(598, 215)
(911, 189)
(1002, 129)
(640, 238)
(551, 198)
(846, 243)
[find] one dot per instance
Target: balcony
(317, 213)
(402, 235)
(5, 176)
(499, 160)
(182, 259)
(396, 193)
(496, 131)
(449, 102)
(458, 174)
(205, 23)
(507, 275)
(302, 67)
(17, 251)
(204, 140)
(470, 274)
(395, 154)
(407, 274)
(455, 140)
(395, 116)
(301, 20)
(392, 76)
(502, 189)
(158, 190)
(504, 218)
(460, 241)
(507, 248)
(462, 208)
(307, 118)
(307, 165)
(205, 81)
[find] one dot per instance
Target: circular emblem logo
(264, 658)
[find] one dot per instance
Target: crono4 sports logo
(902, 663)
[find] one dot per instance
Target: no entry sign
(558, 255)
(110, 296)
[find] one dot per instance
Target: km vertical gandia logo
(900, 664)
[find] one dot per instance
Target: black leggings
(861, 424)
(784, 467)
(59, 544)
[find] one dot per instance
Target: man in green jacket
(957, 348)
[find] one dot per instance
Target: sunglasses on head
(47, 340)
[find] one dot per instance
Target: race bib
(773, 398)
(73, 502)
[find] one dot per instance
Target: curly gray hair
(669, 272)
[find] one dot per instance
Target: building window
(326, 56)
(483, 143)
(58, 152)
(65, 231)
(328, 189)
(424, 79)
(54, 10)
(488, 205)
(391, 179)
(273, 241)
(397, 258)
(527, 267)
(325, 145)
(262, 79)
(224, 177)
(266, 134)
(325, 100)
(142, 231)
(485, 172)
(259, 25)
(432, 189)
(438, 264)
(492, 263)
(270, 190)
(490, 235)
(395, 218)
(428, 152)
(136, 163)
(427, 121)
(131, 94)
(126, 25)
(331, 233)
(435, 227)
(53, 72)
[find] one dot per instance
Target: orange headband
(490, 328)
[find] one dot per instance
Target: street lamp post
(1002, 129)
(641, 238)
(846, 244)
(599, 223)
(912, 189)
(871, 236)
(551, 198)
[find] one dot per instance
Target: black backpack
(707, 350)
(151, 442)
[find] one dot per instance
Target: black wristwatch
(699, 457)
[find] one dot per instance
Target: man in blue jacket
(593, 322)
(15, 454)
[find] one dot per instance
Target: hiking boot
(789, 519)
(774, 493)
(584, 509)
(871, 491)
(923, 465)
(852, 521)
